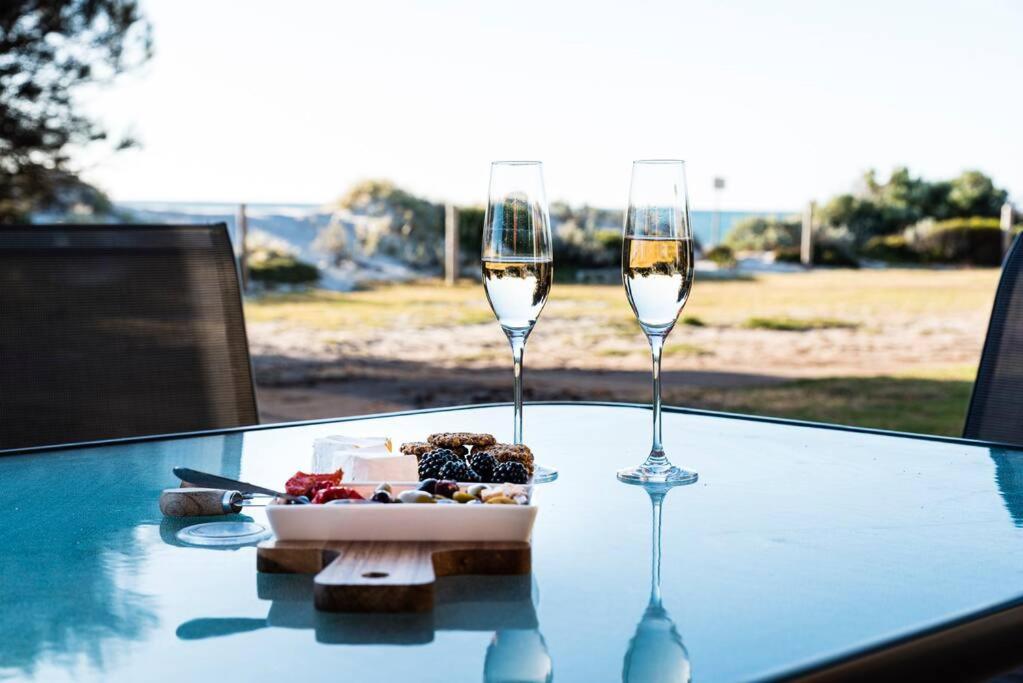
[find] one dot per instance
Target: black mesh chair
(111, 331)
(996, 407)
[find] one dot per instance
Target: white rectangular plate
(401, 522)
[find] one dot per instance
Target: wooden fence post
(243, 251)
(1006, 225)
(806, 237)
(451, 261)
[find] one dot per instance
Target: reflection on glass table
(503, 604)
(656, 653)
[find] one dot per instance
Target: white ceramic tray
(401, 522)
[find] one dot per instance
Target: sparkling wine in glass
(657, 271)
(517, 263)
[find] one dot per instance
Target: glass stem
(656, 500)
(656, 457)
(518, 347)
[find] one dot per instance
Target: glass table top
(798, 546)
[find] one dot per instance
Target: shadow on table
(1009, 479)
(502, 604)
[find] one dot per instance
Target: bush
(763, 234)
(575, 246)
(722, 255)
(976, 241)
(833, 255)
(282, 269)
(823, 255)
(787, 255)
(890, 248)
(470, 232)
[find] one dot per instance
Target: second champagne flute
(657, 271)
(517, 263)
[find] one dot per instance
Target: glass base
(223, 534)
(544, 475)
(666, 476)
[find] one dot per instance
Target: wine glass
(657, 271)
(517, 263)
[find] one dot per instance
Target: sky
(788, 100)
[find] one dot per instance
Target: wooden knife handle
(199, 502)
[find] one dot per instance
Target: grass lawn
(817, 299)
(830, 329)
(925, 403)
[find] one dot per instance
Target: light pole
(719, 184)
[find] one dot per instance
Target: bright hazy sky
(788, 100)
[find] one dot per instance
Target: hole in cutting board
(375, 575)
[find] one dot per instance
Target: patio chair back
(996, 407)
(111, 331)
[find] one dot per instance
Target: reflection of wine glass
(656, 653)
(657, 271)
(518, 656)
(518, 265)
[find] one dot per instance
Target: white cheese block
(363, 459)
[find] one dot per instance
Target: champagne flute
(657, 271)
(517, 263)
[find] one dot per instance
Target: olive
(415, 497)
(428, 485)
(500, 500)
(446, 488)
(463, 497)
(381, 497)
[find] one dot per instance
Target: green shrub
(976, 241)
(890, 248)
(763, 234)
(833, 255)
(722, 255)
(823, 255)
(283, 269)
(787, 255)
(576, 246)
(470, 232)
(786, 324)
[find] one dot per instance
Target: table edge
(973, 647)
(476, 406)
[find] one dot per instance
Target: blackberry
(431, 463)
(511, 473)
(458, 471)
(484, 464)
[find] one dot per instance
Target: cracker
(455, 439)
(421, 448)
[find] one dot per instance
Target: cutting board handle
(199, 502)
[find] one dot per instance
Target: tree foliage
(49, 49)
(885, 208)
(760, 233)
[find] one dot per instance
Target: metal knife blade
(216, 481)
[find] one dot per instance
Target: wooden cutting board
(386, 577)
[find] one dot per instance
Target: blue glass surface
(797, 546)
